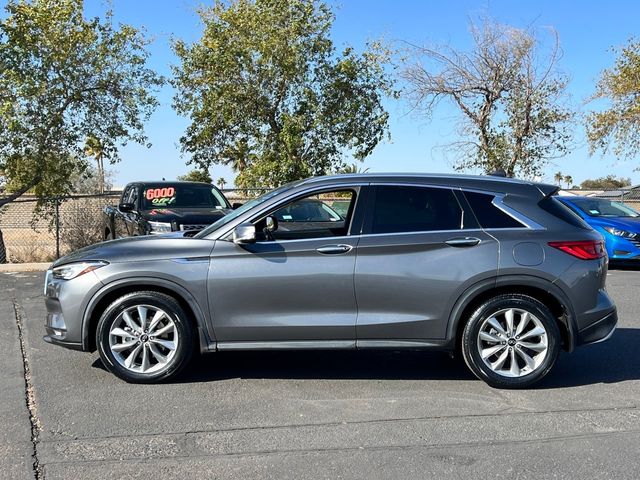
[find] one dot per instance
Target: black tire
(471, 347)
(184, 331)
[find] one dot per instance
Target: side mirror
(244, 233)
(235, 205)
(271, 223)
(126, 207)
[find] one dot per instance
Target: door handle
(334, 249)
(463, 242)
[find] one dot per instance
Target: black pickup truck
(161, 207)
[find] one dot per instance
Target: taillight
(583, 249)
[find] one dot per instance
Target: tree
(221, 183)
(267, 93)
(196, 175)
(67, 81)
(94, 148)
(610, 182)
(558, 178)
(509, 96)
(619, 125)
(90, 181)
(352, 168)
(568, 180)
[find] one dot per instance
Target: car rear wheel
(511, 341)
(145, 337)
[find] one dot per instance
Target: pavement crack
(29, 395)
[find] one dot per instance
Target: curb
(23, 267)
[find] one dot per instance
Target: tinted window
(415, 209)
(559, 210)
(488, 215)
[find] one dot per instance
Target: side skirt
(441, 345)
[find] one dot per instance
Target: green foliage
(619, 125)
(268, 95)
(561, 179)
(92, 181)
(196, 175)
(610, 182)
(351, 168)
(509, 95)
(66, 79)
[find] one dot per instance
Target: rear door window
(399, 209)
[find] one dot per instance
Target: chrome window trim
(421, 232)
(498, 202)
(330, 239)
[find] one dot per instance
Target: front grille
(193, 226)
(635, 241)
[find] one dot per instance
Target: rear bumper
(600, 330)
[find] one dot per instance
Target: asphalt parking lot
(314, 414)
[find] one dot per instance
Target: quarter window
(488, 215)
(415, 209)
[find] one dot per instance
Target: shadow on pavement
(615, 360)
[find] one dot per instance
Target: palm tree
(221, 183)
(94, 148)
(558, 177)
(568, 179)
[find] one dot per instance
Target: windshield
(182, 196)
(244, 208)
(595, 207)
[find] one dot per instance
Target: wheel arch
(110, 292)
(539, 288)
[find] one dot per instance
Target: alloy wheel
(143, 339)
(513, 342)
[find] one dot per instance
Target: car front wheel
(511, 341)
(145, 337)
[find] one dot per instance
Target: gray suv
(497, 269)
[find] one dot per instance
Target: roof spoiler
(547, 190)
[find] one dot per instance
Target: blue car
(618, 223)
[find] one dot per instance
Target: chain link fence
(76, 222)
(79, 221)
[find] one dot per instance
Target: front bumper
(54, 340)
(65, 302)
(621, 249)
(600, 330)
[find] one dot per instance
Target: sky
(588, 32)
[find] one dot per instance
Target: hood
(631, 224)
(136, 249)
(199, 216)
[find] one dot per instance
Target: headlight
(160, 227)
(73, 270)
(620, 233)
